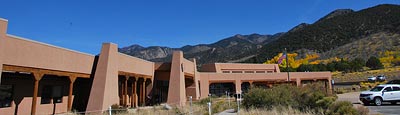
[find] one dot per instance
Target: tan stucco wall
(176, 89)
(3, 32)
(135, 65)
(220, 67)
(233, 66)
(237, 78)
(188, 66)
(27, 53)
(24, 52)
(104, 92)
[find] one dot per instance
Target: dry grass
(201, 110)
(390, 73)
(276, 111)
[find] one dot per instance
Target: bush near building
(311, 97)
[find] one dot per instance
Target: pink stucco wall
(104, 92)
(207, 78)
(220, 67)
(188, 66)
(135, 65)
(24, 52)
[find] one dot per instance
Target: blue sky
(84, 25)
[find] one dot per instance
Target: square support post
(134, 95)
(71, 88)
(37, 76)
(125, 91)
(144, 92)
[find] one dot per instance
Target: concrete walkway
(228, 112)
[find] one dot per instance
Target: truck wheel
(378, 101)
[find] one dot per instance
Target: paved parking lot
(386, 108)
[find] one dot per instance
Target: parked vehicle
(371, 78)
(381, 93)
(394, 82)
(381, 78)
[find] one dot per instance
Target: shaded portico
(47, 80)
(133, 89)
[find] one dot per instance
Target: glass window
(396, 88)
(260, 71)
(46, 95)
(57, 94)
(51, 93)
(226, 72)
(376, 89)
(6, 92)
(248, 71)
(236, 71)
(388, 89)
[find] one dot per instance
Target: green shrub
(267, 98)
(285, 95)
(325, 102)
(203, 101)
(342, 108)
(116, 109)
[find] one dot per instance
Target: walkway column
(134, 95)
(37, 76)
(326, 86)
(126, 91)
(238, 86)
(144, 91)
(71, 88)
(140, 93)
(251, 84)
(298, 81)
(330, 86)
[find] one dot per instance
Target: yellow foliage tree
(388, 57)
(293, 63)
(325, 61)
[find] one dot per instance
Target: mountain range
(334, 35)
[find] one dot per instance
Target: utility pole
(287, 65)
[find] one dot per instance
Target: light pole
(190, 99)
(238, 101)
(209, 95)
(229, 98)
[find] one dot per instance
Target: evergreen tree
(357, 64)
(374, 63)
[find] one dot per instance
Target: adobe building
(38, 78)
